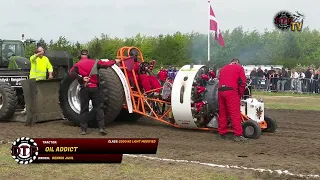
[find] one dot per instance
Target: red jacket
(162, 75)
(230, 75)
(83, 68)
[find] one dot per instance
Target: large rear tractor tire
(111, 89)
(70, 102)
(8, 101)
(271, 124)
(113, 93)
(251, 129)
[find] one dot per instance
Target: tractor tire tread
(113, 93)
(10, 99)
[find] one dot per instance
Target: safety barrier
(276, 84)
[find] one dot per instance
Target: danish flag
(214, 27)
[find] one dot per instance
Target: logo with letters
(284, 20)
(24, 150)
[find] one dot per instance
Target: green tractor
(15, 66)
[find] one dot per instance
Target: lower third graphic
(24, 150)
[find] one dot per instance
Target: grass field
(289, 100)
(131, 168)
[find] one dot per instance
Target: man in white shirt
(300, 82)
(294, 79)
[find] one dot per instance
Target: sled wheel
(113, 93)
(8, 101)
(69, 99)
(271, 124)
(251, 129)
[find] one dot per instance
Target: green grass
(289, 101)
(264, 93)
(131, 168)
(292, 107)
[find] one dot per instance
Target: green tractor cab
(13, 55)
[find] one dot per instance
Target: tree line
(251, 47)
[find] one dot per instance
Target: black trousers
(93, 94)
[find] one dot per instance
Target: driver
(6, 51)
(148, 82)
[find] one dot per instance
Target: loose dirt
(294, 147)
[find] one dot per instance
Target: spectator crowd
(273, 80)
(280, 80)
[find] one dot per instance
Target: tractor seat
(129, 63)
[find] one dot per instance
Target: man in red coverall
(90, 89)
(148, 82)
(232, 83)
(162, 75)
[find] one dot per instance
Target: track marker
(285, 172)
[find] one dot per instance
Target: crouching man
(90, 88)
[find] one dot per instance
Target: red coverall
(232, 83)
(147, 82)
(91, 91)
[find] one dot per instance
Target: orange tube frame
(140, 101)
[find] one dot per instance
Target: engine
(194, 97)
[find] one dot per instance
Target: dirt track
(295, 147)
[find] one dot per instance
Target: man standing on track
(90, 88)
(232, 83)
(40, 64)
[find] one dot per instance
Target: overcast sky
(84, 19)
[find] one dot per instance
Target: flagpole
(208, 63)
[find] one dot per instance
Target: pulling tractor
(190, 101)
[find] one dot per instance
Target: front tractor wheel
(271, 124)
(251, 129)
(8, 101)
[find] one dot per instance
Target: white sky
(83, 19)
